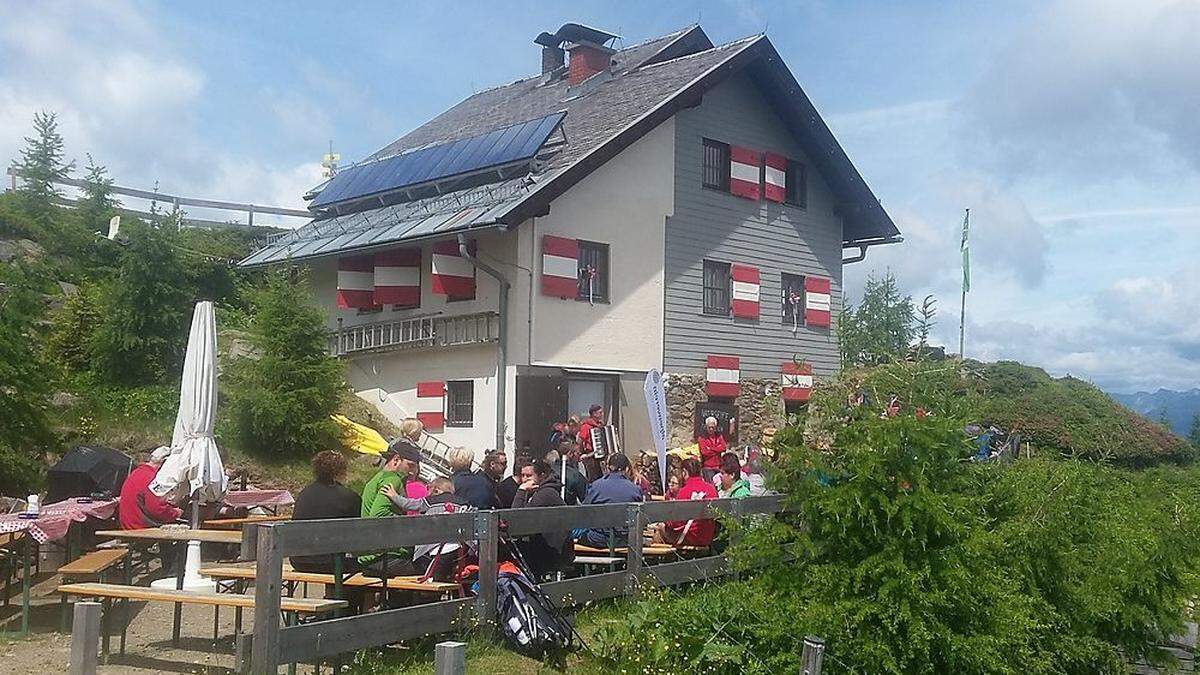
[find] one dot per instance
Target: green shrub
(281, 400)
(906, 558)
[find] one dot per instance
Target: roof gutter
(863, 246)
(502, 349)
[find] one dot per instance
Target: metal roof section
(363, 231)
(503, 146)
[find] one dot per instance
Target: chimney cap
(575, 32)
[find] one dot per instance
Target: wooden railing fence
(272, 644)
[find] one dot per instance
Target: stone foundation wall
(759, 404)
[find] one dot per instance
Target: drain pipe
(502, 349)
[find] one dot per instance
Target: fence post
(636, 522)
(85, 638)
(812, 656)
(487, 526)
(450, 658)
(267, 593)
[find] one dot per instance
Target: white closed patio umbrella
(194, 468)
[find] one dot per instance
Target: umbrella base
(192, 581)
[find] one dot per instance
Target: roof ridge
(714, 48)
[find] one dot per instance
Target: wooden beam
(306, 642)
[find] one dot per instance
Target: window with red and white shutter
(722, 376)
(745, 298)
(816, 302)
(431, 404)
(744, 172)
(356, 282)
(452, 274)
(775, 177)
(560, 266)
(398, 278)
(796, 381)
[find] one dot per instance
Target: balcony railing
(419, 332)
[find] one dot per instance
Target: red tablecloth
(251, 498)
(54, 520)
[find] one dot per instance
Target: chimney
(587, 59)
(552, 58)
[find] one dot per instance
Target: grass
(486, 654)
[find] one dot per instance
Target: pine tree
(97, 204)
(282, 399)
(145, 310)
(24, 391)
(42, 163)
(1194, 433)
(880, 328)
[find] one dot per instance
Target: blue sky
(1070, 128)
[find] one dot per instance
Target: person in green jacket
(731, 483)
(376, 504)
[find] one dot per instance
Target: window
(793, 298)
(460, 403)
(716, 288)
(716, 165)
(797, 184)
(474, 286)
(593, 271)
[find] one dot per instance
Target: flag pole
(962, 315)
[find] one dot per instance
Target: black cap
(403, 449)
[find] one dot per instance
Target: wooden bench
(289, 606)
(92, 566)
(649, 550)
(292, 577)
(238, 523)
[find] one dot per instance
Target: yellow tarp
(360, 438)
(686, 451)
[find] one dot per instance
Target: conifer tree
(42, 163)
(24, 428)
(282, 400)
(880, 328)
(97, 204)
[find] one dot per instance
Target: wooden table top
(173, 534)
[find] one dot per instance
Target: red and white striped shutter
(356, 282)
(560, 266)
(743, 172)
(722, 376)
(398, 277)
(453, 275)
(745, 291)
(816, 301)
(775, 177)
(431, 404)
(796, 380)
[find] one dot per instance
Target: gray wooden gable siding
(776, 238)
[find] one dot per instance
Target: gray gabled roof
(648, 83)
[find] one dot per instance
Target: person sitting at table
(506, 489)
(376, 504)
(615, 487)
(326, 497)
(545, 552)
(698, 531)
(139, 507)
(731, 484)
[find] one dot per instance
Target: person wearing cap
(376, 504)
(139, 507)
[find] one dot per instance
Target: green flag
(966, 253)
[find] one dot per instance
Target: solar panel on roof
(497, 147)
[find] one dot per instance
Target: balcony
(419, 332)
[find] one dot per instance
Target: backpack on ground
(529, 625)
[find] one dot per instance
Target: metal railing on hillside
(415, 333)
(272, 644)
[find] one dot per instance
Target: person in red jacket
(591, 464)
(140, 508)
(712, 445)
(696, 532)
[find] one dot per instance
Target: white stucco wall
(623, 204)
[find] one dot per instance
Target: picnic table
(153, 535)
(270, 500)
(52, 523)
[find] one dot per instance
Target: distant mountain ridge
(1178, 407)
